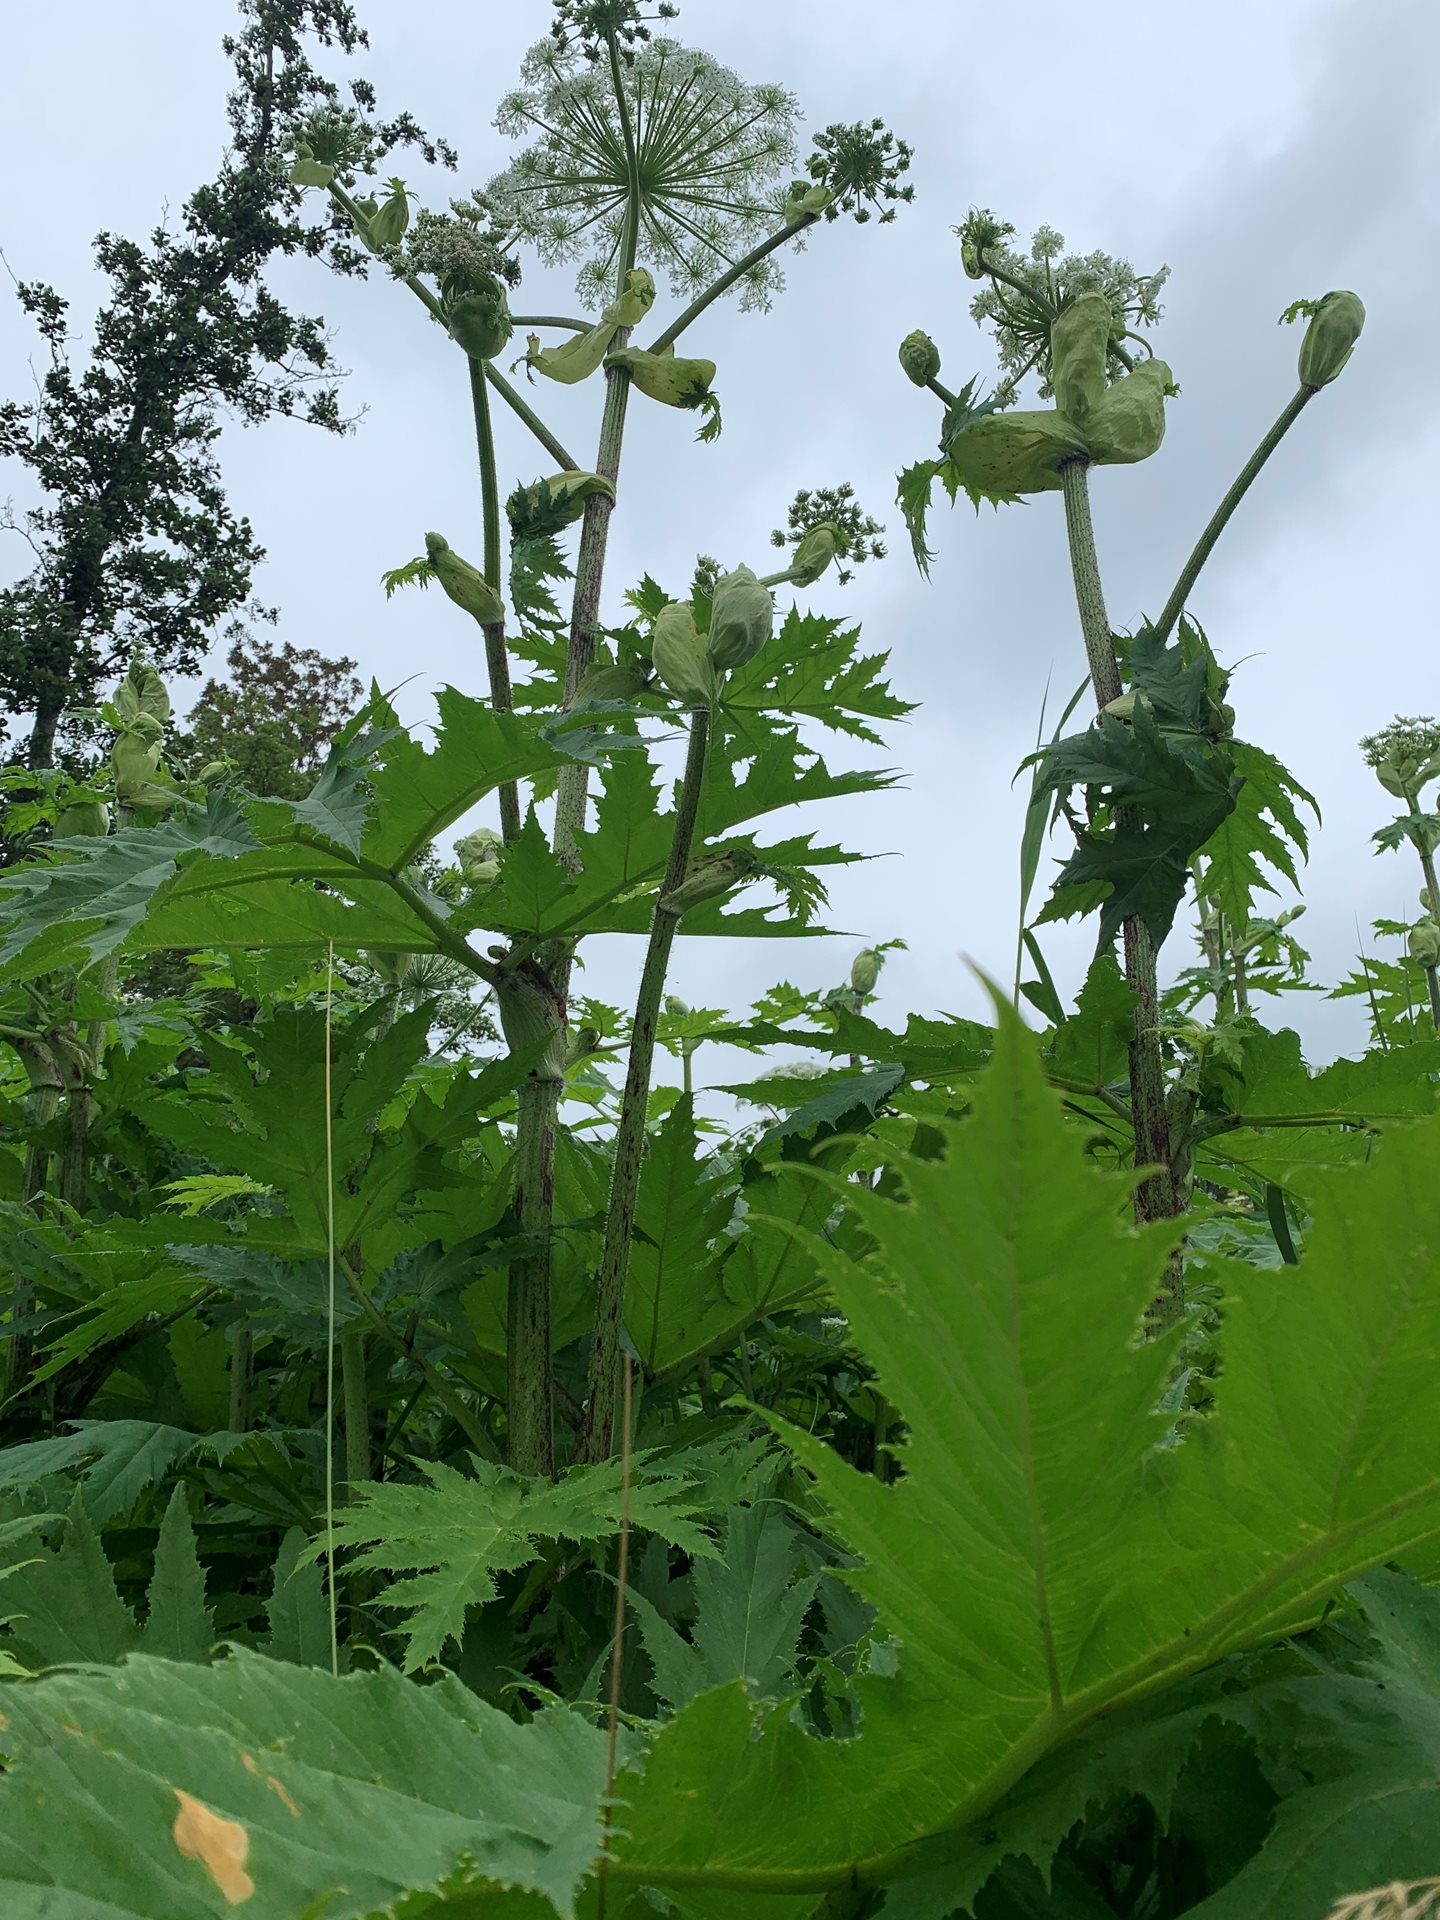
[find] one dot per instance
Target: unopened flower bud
(1424, 943)
(805, 202)
(709, 877)
(742, 618)
(465, 584)
(865, 970)
(920, 358)
(214, 770)
(478, 857)
(83, 820)
(682, 659)
(813, 554)
(479, 320)
(307, 171)
(583, 1042)
(675, 1006)
(1330, 338)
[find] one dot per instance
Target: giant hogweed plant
(955, 1575)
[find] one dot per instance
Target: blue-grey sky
(1262, 152)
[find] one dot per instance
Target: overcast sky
(1261, 151)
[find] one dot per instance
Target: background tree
(134, 539)
(273, 719)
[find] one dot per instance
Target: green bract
(547, 506)
(1330, 338)
(742, 618)
(465, 584)
(682, 659)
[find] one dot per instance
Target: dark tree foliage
(273, 719)
(134, 540)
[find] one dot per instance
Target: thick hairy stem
(1190, 572)
(1155, 1198)
(242, 1357)
(530, 1392)
(497, 660)
(596, 1437)
(1432, 974)
(43, 1104)
(528, 1364)
(355, 1401)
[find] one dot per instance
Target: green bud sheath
(814, 554)
(1127, 423)
(1330, 338)
(308, 172)
(742, 619)
(812, 201)
(478, 856)
(710, 877)
(1424, 944)
(1079, 340)
(530, 1013)
(547, 506)
(86, 820)
(663, 377)
(920, 357)
(864, 971)
(636, 301)
(388, 223)
(1015, 452)
(480, 322)
(610, 683)
(681, 657)
(465, 584)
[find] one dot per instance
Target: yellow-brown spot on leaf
(275, 1786)
(220, 1845)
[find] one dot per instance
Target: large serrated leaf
(304, 1794)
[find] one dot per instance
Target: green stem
(727, 280)
(1427, 864)
(437, 1384)
(42, 1106)
(596, 1437)
(1190, 572)
(529, 1388)
(497, 661)
(355, 1400)
(551, 320)
(242, 1356)
(1155, 1197)
(528, 1356)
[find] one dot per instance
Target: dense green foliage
(457, 1463)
